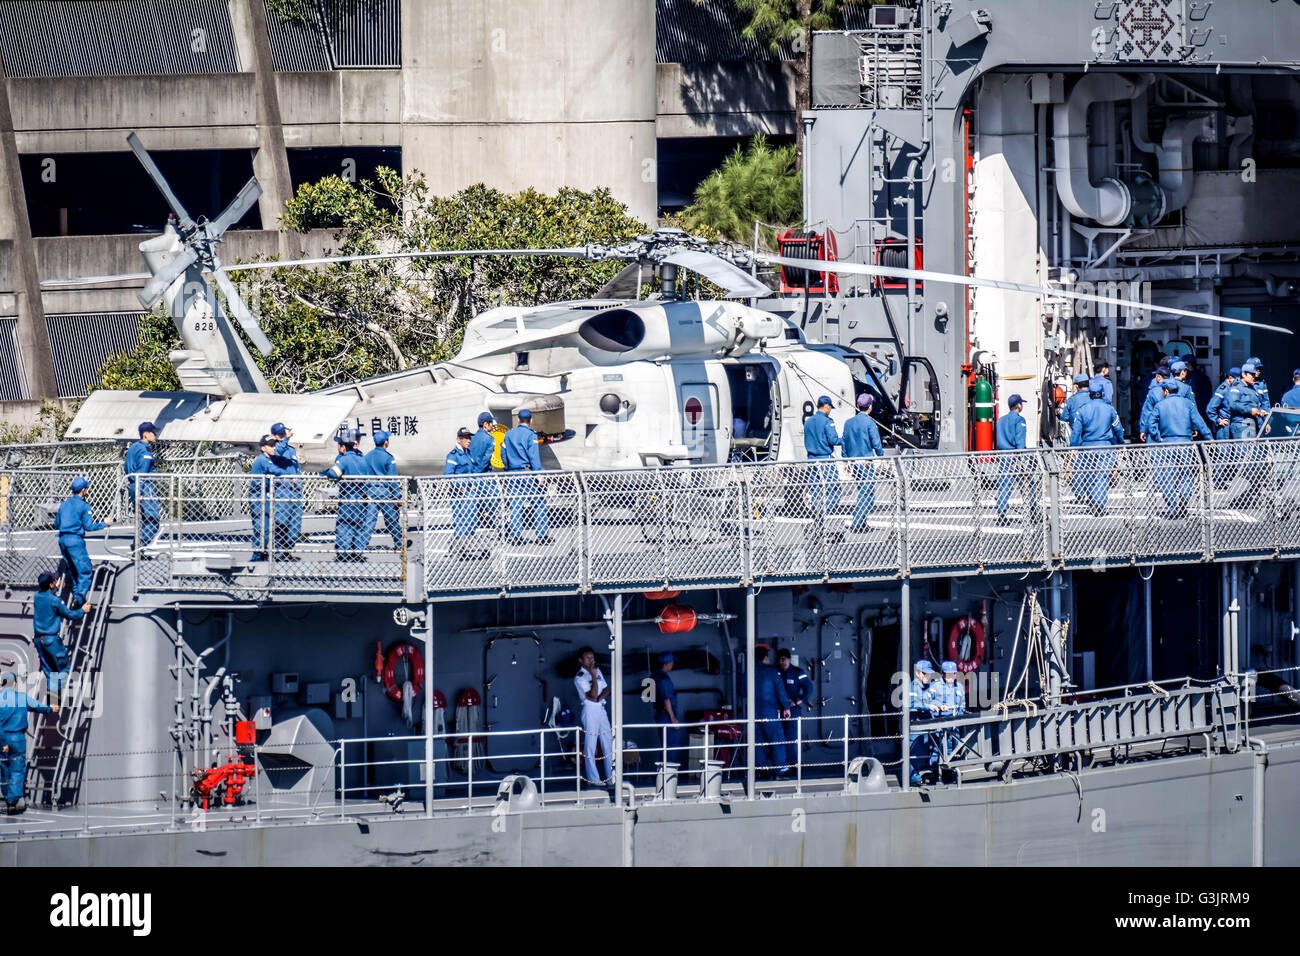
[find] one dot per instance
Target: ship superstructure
(1130, 673)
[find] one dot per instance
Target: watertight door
(699, 409)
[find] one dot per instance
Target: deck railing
(712, 526)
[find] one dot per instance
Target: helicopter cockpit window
(618, 330)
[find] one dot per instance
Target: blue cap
(1249, 367)
(148, 427)
(925, 667)
(1296, 373)
(525, 414)
(267, 440)
(1169, 385)
(949, 667)
(1177, 366)
(347, 437)
(1097, 384)
(485, 417)
(866, 400)
(666, 657)
(1080, 379)
(380, 437)
(279, 430)
(824, 400)
(79, 483)
(1255, 361)
(1015, 400)
(46, 578)
(1235, 371)
(1163, 371)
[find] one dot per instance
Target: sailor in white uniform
(593, 691)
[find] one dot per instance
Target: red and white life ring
(969, 657)
(395, 653)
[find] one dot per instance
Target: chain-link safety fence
(204, 524)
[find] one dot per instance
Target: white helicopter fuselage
(614, 385)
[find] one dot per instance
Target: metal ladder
(58, 754)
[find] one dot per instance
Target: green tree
(351, 321)
(146, 368)
(760, 183)
(779, 23)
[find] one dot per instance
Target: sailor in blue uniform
(385, 494)
(950, 693)
(799, 691)
(819, 441)
(464, 513)
(770, 706)
(73, 521)
(1245, 405)
(351, 534)
(1075, 401)
(288, 491)
(1014, 469)
(269, 519)
(1108, 387)
(519, 454)
(14, 705)
(924, 706)
(1096, 425)
(1291, 397)
(666, 712)
(481, 448)
(48, 612)
(1174, 421)
(1216, 410)
(139, 461)
(1260, 385)
(861, 443)
(1154, 394)
(1199, 383)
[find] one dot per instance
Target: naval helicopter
(615, 381)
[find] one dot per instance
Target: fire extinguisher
(984, 406)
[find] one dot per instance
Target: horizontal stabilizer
(187, 416)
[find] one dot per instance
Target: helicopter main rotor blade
(573, 252)
(162, 280)
(156, 175)
(889, 272)
(235, 305)
(238, 206)
(95, 280)
(737, 282)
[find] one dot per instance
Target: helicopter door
(699, 407)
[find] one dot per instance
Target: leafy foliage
(776, 22)
(51, 422)
(760, 183)
(146, 368)
(352, 321)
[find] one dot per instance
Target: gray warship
(1130, 673)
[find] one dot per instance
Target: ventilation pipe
(1174, 155)
(1109, 202)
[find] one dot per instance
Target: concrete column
(616, 696)
(36, 358)
(270, 162)
(542, 94)
(751, 623)
(428, 712)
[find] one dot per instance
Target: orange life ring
(976, 649)
(395, 653)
